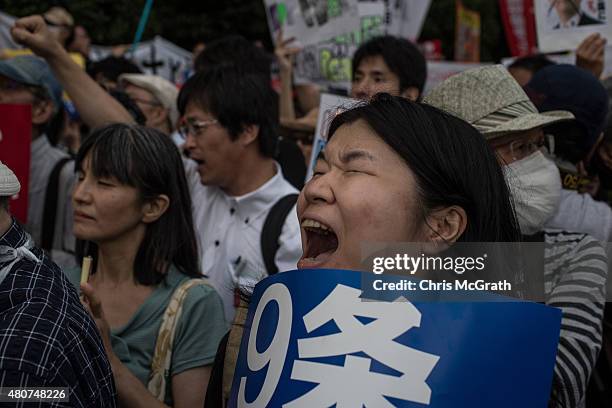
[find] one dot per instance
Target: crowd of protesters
(186, 199)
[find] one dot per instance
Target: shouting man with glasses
(246, 214)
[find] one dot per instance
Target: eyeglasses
(519, 149)
(195, 128)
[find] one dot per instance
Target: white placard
(563, 24)
(328, 63)
(329, 106)
(312, 21)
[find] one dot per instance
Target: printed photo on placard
(563, 24)
(310, 21)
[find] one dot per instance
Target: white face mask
(535, 186)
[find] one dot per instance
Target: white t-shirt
(229, 233)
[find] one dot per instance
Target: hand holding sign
(590, 54)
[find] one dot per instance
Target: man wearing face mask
(573, 89)
(574, 264)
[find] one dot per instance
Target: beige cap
(163, 90)
(491, 100)
(9, 185)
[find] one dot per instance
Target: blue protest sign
(311, 341)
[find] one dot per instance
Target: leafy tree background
(185, 22)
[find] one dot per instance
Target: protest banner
(467, 34)
(15, 140)
(329, 107)
(519, 26)
(328, 62)
(310, 21)
(563, 24)
(326, 346)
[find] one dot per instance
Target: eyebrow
(352, 155)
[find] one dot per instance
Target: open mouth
(321, 242)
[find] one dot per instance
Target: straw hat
(492, 101)
(9, 185)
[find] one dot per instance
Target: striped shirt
(575, 272)
(47, 339)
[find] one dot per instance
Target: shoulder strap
(162, 356)
(232, 349)
(50, 209)
(272, 228)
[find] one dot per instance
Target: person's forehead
(374, 63)
(356, 136)
(194, 110)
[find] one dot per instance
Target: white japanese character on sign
(353, 384)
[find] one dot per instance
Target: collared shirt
(47, 339)
(43, 159)
(229, 233)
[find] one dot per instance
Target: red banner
(519, 25)
(15, 141)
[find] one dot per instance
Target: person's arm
(579, 291)
(94, 104)
(285, 55)
(188, 388)
(590, 54)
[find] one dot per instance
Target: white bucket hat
(163, 90)
(9, 185)
(491, 100)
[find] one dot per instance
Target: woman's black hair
(452, 163)
(147, 160)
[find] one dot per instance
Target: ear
(446, 225)
(160, 116)
(155, 208)
(42, 111)
(411, 93)
(248, 135)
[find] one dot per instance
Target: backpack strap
(272, 228)
(50, 209)
(232, 349)
(159, 376)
